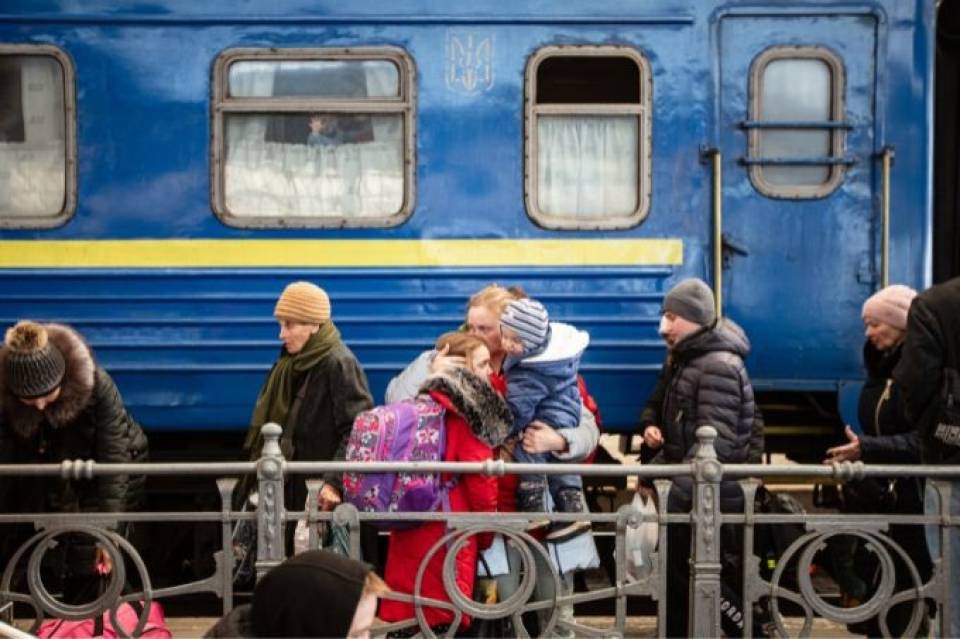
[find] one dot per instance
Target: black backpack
(772, 540)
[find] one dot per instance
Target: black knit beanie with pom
(33, 366)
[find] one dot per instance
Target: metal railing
(705, 520)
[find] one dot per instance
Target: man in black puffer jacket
(704, 382)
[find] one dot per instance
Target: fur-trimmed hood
(484, 410)
(76, 389)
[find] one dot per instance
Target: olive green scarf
(276, 396)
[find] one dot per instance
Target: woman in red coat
(477, 420)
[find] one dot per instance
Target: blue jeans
(931, 506)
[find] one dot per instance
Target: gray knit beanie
(33, 366)
(692, 300)
(529, 320)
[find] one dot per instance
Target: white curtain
(296, 180)
(33, 171)
(266, 178)
(588, 165)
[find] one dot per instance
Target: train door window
(796, 128)
(37, 137)
(313, 137)
(587, 147)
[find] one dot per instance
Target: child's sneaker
(569, 500)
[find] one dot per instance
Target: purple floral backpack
(411, 430)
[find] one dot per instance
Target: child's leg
(531, 490)
(567, 493)
(564, 484)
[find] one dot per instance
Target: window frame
(69, 207)
(837, 114)
(403, 104)
(642, 110)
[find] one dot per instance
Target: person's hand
(102, 563)
(329, 497)
(442, 362)
(845, 452)
(538, 437)
(652, 437)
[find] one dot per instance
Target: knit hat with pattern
(303, 302)
(529, 320)
(692, 300)
(890, 305)
(33, 366)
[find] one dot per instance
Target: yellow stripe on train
(212, 253)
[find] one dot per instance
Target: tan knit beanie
(303, 302)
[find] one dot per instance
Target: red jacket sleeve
(480, 490)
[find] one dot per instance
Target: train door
(796, 138)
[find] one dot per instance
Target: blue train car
(166, 167)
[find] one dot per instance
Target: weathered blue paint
(189, 347)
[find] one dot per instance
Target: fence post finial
(705, 587)
(271, 548)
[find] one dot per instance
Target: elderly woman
(314, 391)
(888, 438)
(57, 404)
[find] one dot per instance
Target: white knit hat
(890, 305)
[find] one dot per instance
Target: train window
(796, 128)
(313, 137)
(587, 148)
(37, 137)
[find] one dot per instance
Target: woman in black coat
(57, 405)
(314, 391)
(888, 438)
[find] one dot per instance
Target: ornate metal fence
(22, 583)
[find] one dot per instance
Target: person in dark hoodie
(314, 594)
(57, 405)
(704, 382)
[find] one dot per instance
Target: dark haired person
(313, 594)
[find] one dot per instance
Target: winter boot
(569, 500)
(531, 498)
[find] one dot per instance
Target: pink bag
(127, 616)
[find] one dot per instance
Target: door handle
(731, 247)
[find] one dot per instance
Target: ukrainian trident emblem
(469, 63)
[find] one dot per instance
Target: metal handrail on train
(886, 158)
(716, 162)
(704, 471)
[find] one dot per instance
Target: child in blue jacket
(541, 373)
